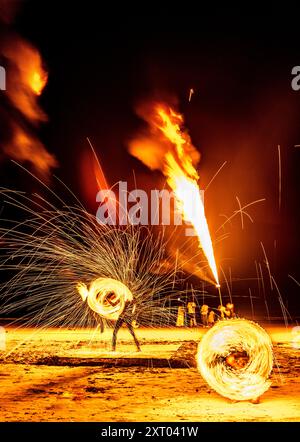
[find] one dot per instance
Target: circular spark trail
(235, 358)
(106, 296)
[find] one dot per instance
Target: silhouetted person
(227, 313)
(211, 318)
(126, 317)
(191, 309)
(230, 313)
(204, 314)
(180, 322)
(221, 310)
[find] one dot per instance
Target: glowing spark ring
(106, 296)
(218, 347)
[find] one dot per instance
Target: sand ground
(33, 390)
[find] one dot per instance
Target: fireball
(235, 358)
(169, 148)
(106, 296)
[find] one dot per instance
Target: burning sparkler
(235, 358)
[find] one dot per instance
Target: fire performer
(204, 314)
(235, 357)
(191, 308)
(237, 360)
(111, 300)
(221, 310)
(126, 317)
(211, 318)
(230, 313)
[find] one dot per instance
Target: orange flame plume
(26, 79)
(176, 156)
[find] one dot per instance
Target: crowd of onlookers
(187, 314)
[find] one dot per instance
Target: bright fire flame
(182, 177)
(26, 79)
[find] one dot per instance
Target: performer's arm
(134, 308)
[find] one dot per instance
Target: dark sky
(102, 62)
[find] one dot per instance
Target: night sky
(102, 62)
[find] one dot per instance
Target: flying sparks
(235, 358)
(58, 251)
(38, 82)
(191, 94)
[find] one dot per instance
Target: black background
(102, 61)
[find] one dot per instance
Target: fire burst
(177, 162)
(235, 358)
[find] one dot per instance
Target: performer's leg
(101, 323)
(130, 328)
(118, 325)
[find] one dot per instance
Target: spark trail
(57, 246)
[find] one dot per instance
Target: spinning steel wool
(235, 358)
(56, 249)
(106, 296)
